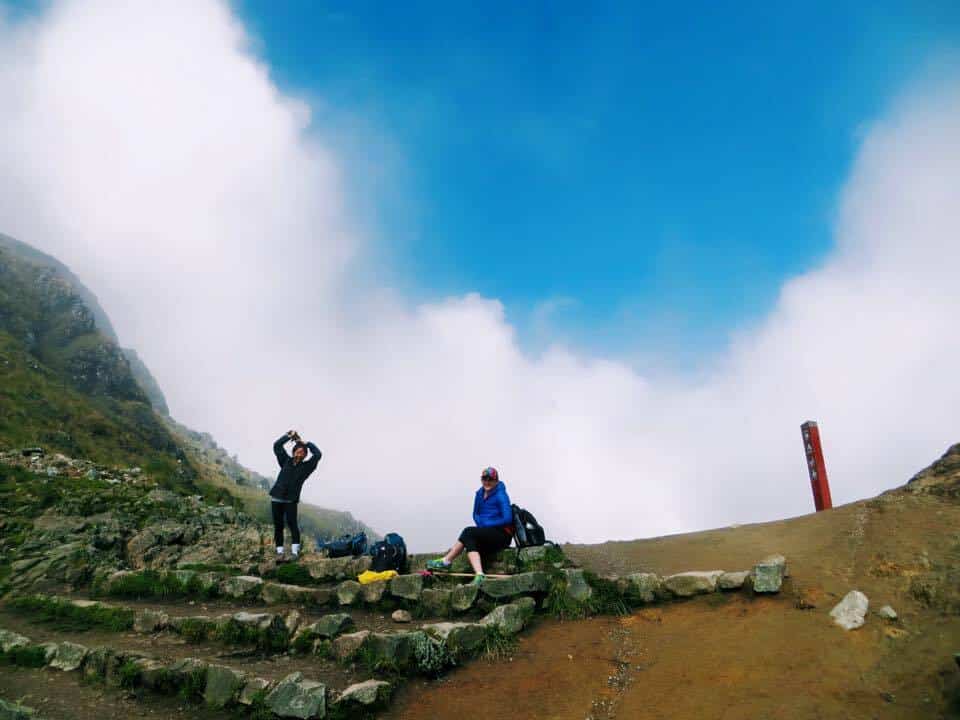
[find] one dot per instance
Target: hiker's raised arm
(280, 451)
(315, 454)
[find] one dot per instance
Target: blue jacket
(495, 510)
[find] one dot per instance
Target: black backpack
(527, 532)
(346, 546)
(389, 554)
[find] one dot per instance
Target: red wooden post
(816, 466)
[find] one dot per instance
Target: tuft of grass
(202, 567)
(432, 656)
(606, 599)
(195, 630)
(499, 646)
(294, 574)
(193, 686)
(31, 656)
(67, 617)
(560, 604)
(128, 674)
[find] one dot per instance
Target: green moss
(195, 630)
(606, 599)
(31, 656)
(294, 574)
(67, 617)
(128, 674)
(149, 584)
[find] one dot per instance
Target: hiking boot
(437, 564)
(478, 579)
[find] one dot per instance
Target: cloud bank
(146, 146)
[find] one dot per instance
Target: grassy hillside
(68, 387)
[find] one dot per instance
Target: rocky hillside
(68, 387)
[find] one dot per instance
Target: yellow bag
(369, 576)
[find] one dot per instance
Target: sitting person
(493, 528)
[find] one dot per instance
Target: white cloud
(147, 147)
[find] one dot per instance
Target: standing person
(285, 493)
(493, 526)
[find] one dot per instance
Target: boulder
(851, 612)
(530, 582)
(461, 639)
(294, 697)
(369, 694)
(255, 621)
(328, 569)
(646, 587)
(390, 651)
(97, 664)
(578, 589)
(373, 592)
(188, 671)
(348, 592)
(253, 688)
(463, 597)
(347, 646)
(533, 554)
(507, 619)
(688, 584)
(150, 621)
(11, 640)
(153, 675)
(223, 685)
(408, 587)
(732, 580)
(329, 626)
(768, 574)
(242, 586)
(70, 656)
(436, 601)
(401, 616)
(292, 621)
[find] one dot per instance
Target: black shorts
(485, 540)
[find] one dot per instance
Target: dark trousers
(485, 540)
(285, 512)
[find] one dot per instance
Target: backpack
(527, 531)
(389, 554)
(346, 545)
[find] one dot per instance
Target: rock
(768, 574)
(508, 619)
(292, 622)
(257, 621)
(732, 580)
(436, 601)
(223, 685)
(336, 568)
(153, 674)
(329, 626)
(887, 613)
(273, 593)
(253, 688)
(369, 694)
(577, 588)
(189, 671)
(150, 621)
(644, 587)
(408, 587)
(463, 597)
(347, 646)
(10, 640)
(298, 698)
(242, 586)
(70, 656)
(530, 582)
(533, 554)
(96, 665)
(208, 581)
(688, 584)
(15, 711)
(373, 592)
(850, 613)
(401, 616)
(461, 639)
(348, 592)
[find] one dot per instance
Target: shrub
(31, 656)
(66, 616)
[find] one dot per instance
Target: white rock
(851, 612)
(887, 613)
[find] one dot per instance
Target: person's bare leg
(454, 552)
(474, 558)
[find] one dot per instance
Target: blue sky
(658, 168)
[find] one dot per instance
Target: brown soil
(733, 655)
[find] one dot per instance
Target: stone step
(216, 684)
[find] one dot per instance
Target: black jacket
(292, 475)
